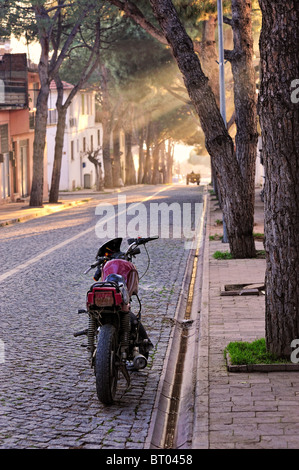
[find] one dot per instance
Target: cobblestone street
(47, 390)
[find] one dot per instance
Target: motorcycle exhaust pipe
(139, 361)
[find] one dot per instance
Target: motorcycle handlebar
(136, 241)
(141, 241)
(97, 263)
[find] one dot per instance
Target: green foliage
(222, 255)
(250, 353)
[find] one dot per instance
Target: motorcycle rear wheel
(106, 371)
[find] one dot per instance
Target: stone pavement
(238, 410)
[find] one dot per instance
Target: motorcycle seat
(117, 278)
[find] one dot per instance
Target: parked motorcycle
(116, 339)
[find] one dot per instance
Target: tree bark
(169, 161)
(141, 154)
(130, 167)
(209, 60)
(209, 55)
(219, 144)
(245, 97)
(59, 139)
(116, 158)
(156, 155)
(279, 118)
(36, 194)
(148, 163)
(108, 177)
(107, 128)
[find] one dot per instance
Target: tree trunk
(107, 128)
(116, 158)
(244, 97)
(156, 159)
(141, 154)
(169, 161)
(108, 176)
(59, 139)
(219, 144)
(36, 194)
(147, 166)
(279, 117)
(130, 167)
(209, 54)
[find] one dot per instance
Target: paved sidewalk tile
(258, 410)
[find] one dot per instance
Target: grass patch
(215, 237)
(222, 255)
(260, 254)
(242, 353)
(218, 222)
(258, 236)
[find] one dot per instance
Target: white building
(82, 133)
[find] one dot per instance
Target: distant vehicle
(193, 178)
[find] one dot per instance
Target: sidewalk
(12, 213)
(234, 410)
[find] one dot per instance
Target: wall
(79, 127)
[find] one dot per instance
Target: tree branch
(133, 12)
(177, 96)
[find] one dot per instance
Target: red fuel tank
(125, 269)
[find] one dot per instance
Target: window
(72, 150)
(99, 137)
(82, 104)
(4, 138)
(91, 143)
(84, 144)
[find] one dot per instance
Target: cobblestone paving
(47, 390)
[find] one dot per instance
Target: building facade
(82, 134)
(18, 93)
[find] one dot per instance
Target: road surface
(47, 390)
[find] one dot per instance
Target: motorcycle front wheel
(106, 371)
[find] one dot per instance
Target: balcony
(13, 81)
(13, 94)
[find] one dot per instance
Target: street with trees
(182, 35)
(279, 125)
(55, 25)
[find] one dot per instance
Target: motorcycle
(117, 341)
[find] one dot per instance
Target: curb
(200, 438)
(160, 427)
(44, 211)
(287, 367)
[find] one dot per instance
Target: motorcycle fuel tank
(125, 269)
